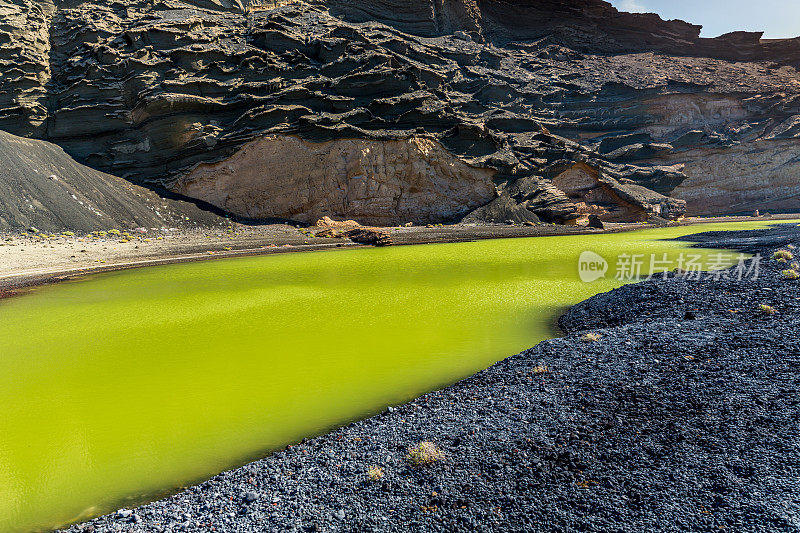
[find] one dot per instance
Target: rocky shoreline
(679, 412)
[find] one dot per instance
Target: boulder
(595, 222)
(328, 222)
(371, 236)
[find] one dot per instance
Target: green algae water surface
(118, 387)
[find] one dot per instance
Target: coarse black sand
(684, 415)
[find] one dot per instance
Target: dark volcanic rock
(502, 210)
(595, 222)
(150, 90)
(666, 423)
(370, 236)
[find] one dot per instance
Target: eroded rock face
(597, 195)
(762, 175)
(149, 90)
(24, 65)
(372, 182)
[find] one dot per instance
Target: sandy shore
(30, 259)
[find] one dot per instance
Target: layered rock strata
(152, 90)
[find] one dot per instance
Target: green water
(117, 387)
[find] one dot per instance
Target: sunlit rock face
(150, 90)
(372, 182)
(760, 175)
(594, 193)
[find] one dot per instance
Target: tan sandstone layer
(734, 179)
(373, 182)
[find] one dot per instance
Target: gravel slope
(684, 415)
(44, 188)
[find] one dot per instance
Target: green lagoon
(120, 386)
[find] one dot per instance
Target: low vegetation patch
(591, 337)
(790, 274)
(783, 255)
(541, 369)
(375, 473)
(767, 310)
(424, 453)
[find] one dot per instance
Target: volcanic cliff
(409, 110)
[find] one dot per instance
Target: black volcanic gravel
(683, 416)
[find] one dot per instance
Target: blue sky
(777, 18)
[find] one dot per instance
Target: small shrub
(375, 473)
(67, 233)
(424, 453)
(114, 232)
(784, 255)
(591, 337)
(790, 274)
(767, 310)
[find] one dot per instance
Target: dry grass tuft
(591, 337)
(375, 473)
(767, 310)
(790, 274)
(424, 453)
